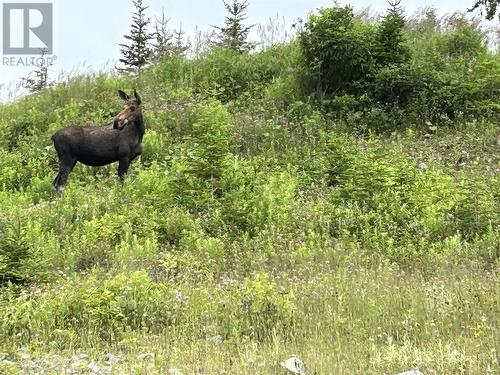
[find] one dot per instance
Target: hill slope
(260, 222)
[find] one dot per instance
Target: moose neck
(139, 126)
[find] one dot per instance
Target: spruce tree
(163, 44)
(136, 55)
(234, 33)
(38, 79)
(179, 47)
(391, 43)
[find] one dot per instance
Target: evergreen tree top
(234, 33)
(136, 55)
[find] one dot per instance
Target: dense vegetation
(335, 197)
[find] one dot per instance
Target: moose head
(130, 112)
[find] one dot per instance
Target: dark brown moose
(101, 145)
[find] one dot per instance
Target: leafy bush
(225, 74)
(386, 203)
(94, 308)
(257, 308)
(196, 172)
(392, 48)
(465, 41)
(475, 213)
(401, 86)
(337, 52)
(16, 257)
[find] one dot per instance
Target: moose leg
(123, 168)
(66, 165)
(56, 180)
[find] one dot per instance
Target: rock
(462, 160)
(94, 369)
(7, 363)
(178, 296)
(412, 372)
(80, 357)
(145, 357)
(218, 339)
(423, 166)
(294, 365)
(24, 356)
(112, 359)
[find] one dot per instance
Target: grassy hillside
(357, 229)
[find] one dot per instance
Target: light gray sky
(87, 33)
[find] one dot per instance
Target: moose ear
(123, 95)
(137, 97)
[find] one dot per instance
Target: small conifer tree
(234, 33)
(136, 55)
(163, 44)
(392, 48)
(179, 46)
(38, 79)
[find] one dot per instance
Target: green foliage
(226, 74)
(136, 55)
(234, 34)
(92, 307)
(259, 310)
(476, 212)
(261, 212)
(372, 71)
(465, 42)
(222, 73)
(38, 79)
(15, 254)
(490, 6)
(388, 205)
(337, 51)
(211, 142)
(392, 48)
(197, 170)
(411, 88)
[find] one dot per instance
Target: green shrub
(420, 94)
(15, 254)
(207, 150)
(95, 309)
(360, 175)
(225, 74)
(337, 52)
(383, 202)
(475, 213)
(402, 85)
(465, 41)
(391, 46)
(211, 142)
(258, 309)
